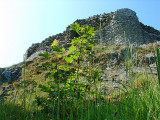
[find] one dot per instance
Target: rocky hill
(113, 26)
(109, 28)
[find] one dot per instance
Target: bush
(71, 78)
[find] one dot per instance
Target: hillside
(125, 53)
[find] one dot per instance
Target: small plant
(128, 58)
(73, 82)
(158, 62)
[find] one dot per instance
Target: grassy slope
(139, 101)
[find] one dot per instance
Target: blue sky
(23, 22)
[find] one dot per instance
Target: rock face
(113, 26)
(10, 74)
(123, 20)
(1, 78)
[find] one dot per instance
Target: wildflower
(55, 43)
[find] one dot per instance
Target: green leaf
(64, 67)
(83, 51)
(89, 47)
(68, 59)
(75, 56)
(47, 64)
(75, 27)
(54, 71)
(54, 64)
(76, 41)
(93, 42)
(44, 88)
(58, 49)
(58, 56)
(72, 49)
(44, 54)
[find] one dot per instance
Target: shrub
(72, 79)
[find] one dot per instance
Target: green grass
(140, 100)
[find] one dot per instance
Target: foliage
(74, 81)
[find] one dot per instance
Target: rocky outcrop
(113, 26)
(1, 77)
(10, 74)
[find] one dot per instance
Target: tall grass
(24, 89)
(158, 62)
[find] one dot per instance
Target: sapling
(70, 79)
